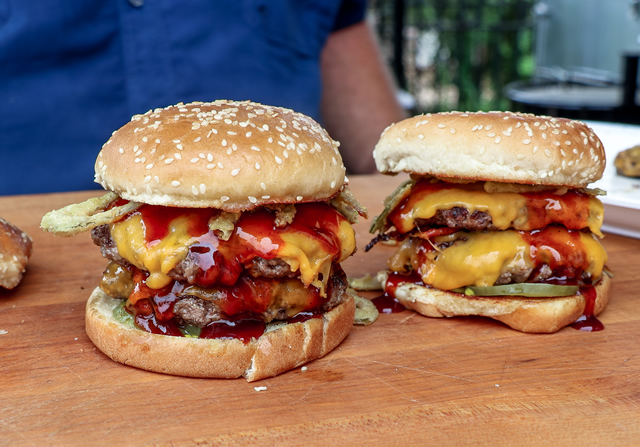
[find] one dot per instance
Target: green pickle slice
(522, 289)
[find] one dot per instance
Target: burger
(224, 229)
(496, 219)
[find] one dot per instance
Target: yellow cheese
(158, 259)
(507, 210)
(299, 251)
(478, 259)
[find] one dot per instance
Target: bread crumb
(260, 388)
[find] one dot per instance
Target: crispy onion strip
(79, 217)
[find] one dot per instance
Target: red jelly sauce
(544, 208)
(222, 265)
(560, 248)
(255, 234)
(588, 321)
(243, 329)
(387, 302)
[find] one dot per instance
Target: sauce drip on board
(387, 302)
(588, 321)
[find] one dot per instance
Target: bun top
(493, 146)
(229, 155)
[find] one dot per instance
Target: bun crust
(494, 146)
(229, 155)
(275, 352)
(533, 315)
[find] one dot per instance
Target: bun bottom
(275, 352)
(534, 315)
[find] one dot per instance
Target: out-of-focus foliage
(457, 54)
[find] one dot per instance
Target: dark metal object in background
(630, 81)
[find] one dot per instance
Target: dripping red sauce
(242, 304)
(242, 328)
(255, 234)
(588, 321)
(387, 302)
(544, 208)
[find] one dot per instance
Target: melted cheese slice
(507, 210)
(482, 257)
(298, 250)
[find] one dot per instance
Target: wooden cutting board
(406, 378)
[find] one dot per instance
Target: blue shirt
(73, 71)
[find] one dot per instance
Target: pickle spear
(522, 289)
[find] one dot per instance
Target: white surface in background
(622, 202)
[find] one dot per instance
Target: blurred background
(572, 58)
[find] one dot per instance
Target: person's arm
(358, 98)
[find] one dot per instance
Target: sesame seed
(442, 126)
(568, 143)
(481, 150)
(197, 139)
(235, 172)
(121, 150)
(224, 198)
(299, 198)
(248, 134)
(547, 152)
(266, 197)
(265, 126)
(452, 130)
(333, 184)
(252, 199)
(169, 161)
(178, 156)
(488, 127)
(263, 186)
(145, 139)
(421, 137)
(278, 160)
(498, 140)
(194, 190)
(149, 166)
(491, 134)
(156, 178)
(255, 148)
(526, 141)
(257, 165)
(175, 183)
(399, 140)
(520, 157)
(220, 165)
(179, 147)
(211, 165)
(147, 179)
(535, 149)
(209, 157)
(557, 143)
(194, 160)
(224, 142)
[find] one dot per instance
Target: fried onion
(78, 217)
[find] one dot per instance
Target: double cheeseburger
(496, 219)
(224, 230)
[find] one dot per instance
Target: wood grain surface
(404, 379)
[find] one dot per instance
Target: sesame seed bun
(494, 146)
(229, 155)
(276, 351)
(533, 315)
